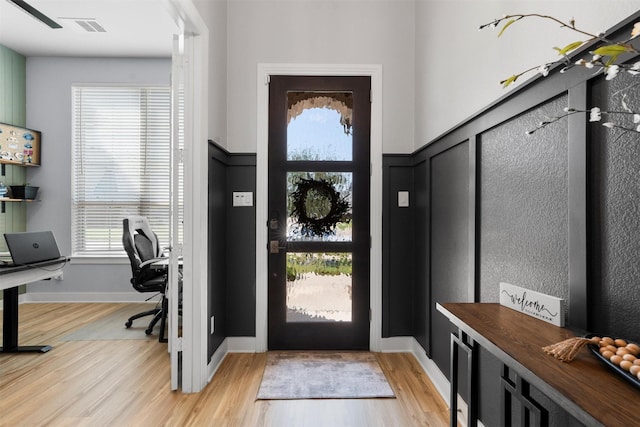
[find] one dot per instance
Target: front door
(319, 237)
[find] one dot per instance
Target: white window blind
(121, 164)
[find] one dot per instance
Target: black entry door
(319, 238)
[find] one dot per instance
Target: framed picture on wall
(19, 146)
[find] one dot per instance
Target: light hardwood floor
(126, 383)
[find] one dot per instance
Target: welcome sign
(544, 307)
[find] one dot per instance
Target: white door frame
(194, 344)
(262, 173)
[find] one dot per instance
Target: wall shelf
(6, 199)
(17, 163)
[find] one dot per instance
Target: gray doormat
(323, 375)
(111, 327)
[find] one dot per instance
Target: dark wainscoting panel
(614, 182)
(420, 236)
(241, 248)
(449, 252)
(523, 205)
(216, 265)
(397, 250)
(232, 242)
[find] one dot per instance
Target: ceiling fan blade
(36, 13)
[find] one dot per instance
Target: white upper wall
(458, 68)
(321, 32)
(214, 14)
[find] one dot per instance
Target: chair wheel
(128, 324)
(148, 331)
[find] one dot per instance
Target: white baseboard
(242, 344)
(87, 297)
(409, 344)
(396, 345)
(21, 299)
(441, 382)
(431, 369)
(230, 345)
(217, 358)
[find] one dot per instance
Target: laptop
(31, 247)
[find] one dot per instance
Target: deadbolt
(274, 247)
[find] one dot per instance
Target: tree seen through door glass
(319, 287)
(319, 126)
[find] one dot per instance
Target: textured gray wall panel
(614, 179)
(523, 205)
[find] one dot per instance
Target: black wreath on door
(317, 207)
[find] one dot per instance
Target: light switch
(242, 198)
(403, 199)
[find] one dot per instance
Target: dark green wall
(13, 110)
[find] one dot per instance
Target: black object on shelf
(27, 192)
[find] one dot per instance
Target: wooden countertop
(585, 387)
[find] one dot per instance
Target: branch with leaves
(605, 58)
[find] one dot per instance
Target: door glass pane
(323, 198)
(319, 287)
(319, 126)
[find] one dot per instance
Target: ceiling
(133, 28)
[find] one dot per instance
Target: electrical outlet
(213, 328)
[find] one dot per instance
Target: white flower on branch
(636, 118)
(586, 64)
(612, 71)
(544, 70)
(595, 114)
(609, 125)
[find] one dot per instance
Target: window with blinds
(121, 164)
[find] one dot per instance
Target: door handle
(274, 247)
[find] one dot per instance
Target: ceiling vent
(84, 25)
(91, 26)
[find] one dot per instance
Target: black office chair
(143, 249)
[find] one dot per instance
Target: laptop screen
(32, 247)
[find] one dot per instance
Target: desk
(585, 388)
(10, 279)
